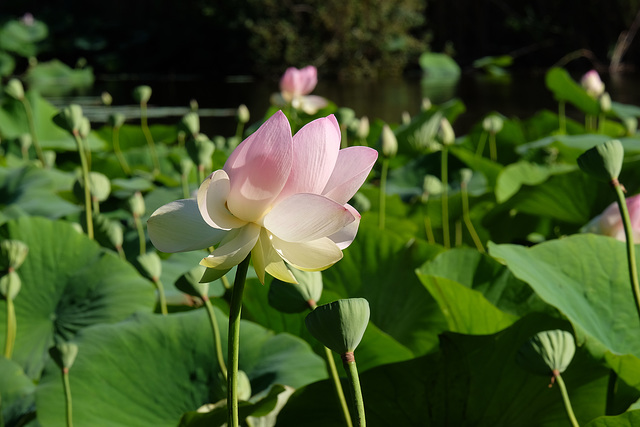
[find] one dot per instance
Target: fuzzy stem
(32, 129)
(352, 374)
(481, 143)
(116, 148)
(445, 199)
(565, 399)
(235, 311)
(141, 237)
(67, 396)
(429, 230)
(216, 333)
(383, 192)
(562, 119)
(11, 326)
(493, 151)
(147, 134)
(467, 219)
(86, 182)
(161, 296)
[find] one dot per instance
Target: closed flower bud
(150, 265)
(200, 149)
(193, 104)
(109, 233)
(446, 133)
(547, 351)
(345, 115)
(106, 98)
(605, 102)
(296, 297)
(10, 285)
(12, 254)
(363, 128)
(64, 354)
(136, 204)
(70, 118)
(431, 185)
(116, 120)
(493, 123)
(389, 142)
(592, 84)
(25, 141)
(340, 325)
(604, 161)
(190, 122)
(99, 185)
(631, 124)
(49, 158)
(243, 114)
(426, 104)
(406, 118)
(609, 222)
(15, 89)
(85, 128)
(186, 164)
(142, 94)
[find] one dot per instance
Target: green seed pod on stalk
(136, 204)
(190, 123)
(345, 115)
(446, 133)
(493, 123)
(142, 94)
(389, 142)
(70, 118)
(296, 297)
(25, 141)
(10, 285)
(604, 161)
(340, 325)
(547, 351)
(243, 114)
(605, 102)
(107, 232)
(631, 125)
(64, 354)
(12, 254)
(15, 89)
(200, 149)
(99, 186)
(150, 265)
(106, 98)
(116, 120)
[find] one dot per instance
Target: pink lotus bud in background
(592, 84)
(27, 19)
(609, 222)
(295, 87)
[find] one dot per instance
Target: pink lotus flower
(592, 84)
(609, 222)
(281, 198)
(295, 87)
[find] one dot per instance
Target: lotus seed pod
(465, 175)
(604, 161)
(406, 118)
(12, 254)
(631, 124)
(25, 141)
(106, 98)
(605, 102)
(243, 114)
(142, 94)
(339, 325)
(446, 133)
(431, 185)
(107, 232)
(232, 142)
(389, 142)
(70, 118)
(116, 120)
(99, 185)
(363, 128)
(64, 354)
(189, 283)
(191, 123)
(150, 265)
(15, 89)
(10, 285)
(200, 149)
(193, 105)
(186, 164)
(85, 128)
(296, 297)
(345, 115)
(493, 123)
(136, 204)
(547, 351)
(426, 104)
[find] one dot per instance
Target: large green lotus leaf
(16, 393)
(379, 266)
(55, 78)
(14, 123)
(488, 168)
(257, 309)
(151, 369)
(586, 278)
(472, 381)
(68, 283)
(515, 175)
(564, 88)
(487, 276)
(35, 191)
(131, 135)
(628, 419)
(625, 110)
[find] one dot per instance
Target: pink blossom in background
(27, 19)
(592, 83)
(283, 199)
(295, 87)
(609, 222)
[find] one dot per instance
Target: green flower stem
(429, 230)
(216, 333)
(235, 311)
(147, 134)
(11, 327)
(458, 234)
(67, 396)
(383, 192)
(352, 374)
(87, 185)
(467, 218)
(121, 252)
(631, 253)
(239, 130)
(565, 399)
(96, 205)
(116, 148)
(483, 140)
(200, 173)
(225, 282)
(161, 296)
(562, 118)
(331, 364)
(185, 185)
(141, 237)
(601, 121)
(612, 386)
(445, 199)
(32, 129)
(493, 151)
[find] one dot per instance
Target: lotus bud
(340, 325)
(243, 114)
(605, 102)
(150, 265)
(142, 94)
(426, 104)
(296, 297)
(108, 232)
(191, 123)
(363, 128)
(64, 354)
(493, 123)
(186, 164)
(106, 98)
(27, 19)
(345, 115)
(431, 185)
(592, 84)
(360, 202)
(99, 185)
(220, 142)
(406, 118)
(604, 161)
(136, 204)
(446, 133)
(12, 254)
(25, 141)
(10, 285)
(547, 352)
(70, 118)
(15, 89)
(389, 142)
(116, 120)
(49, 158)
(193, 104)
(200, 149)
(631, 124)
(244, 386)
(85, 128)
(465, 176)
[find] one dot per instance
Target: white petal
(212, 201)
(304, 217)
(352, 168)
(345, 236)
(312, 103)
(315, 255)
(265, 258)
(234, 248)
(179, 227)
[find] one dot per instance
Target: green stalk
(565, 399)
(200, 173)
(149, 138)
(116, 148)
(483, 140)
(467, 218)
(32, 129)
(612, 386)
(216, 333)
(161, 296)
(493, 151)
(383, 192)
(87, 185)
(11, 327)
(235, 311)
(427, 226)
(601, 121)
(239, 130)
(96, 205)
(445, 199)
(631, 253)
(67, 396)
(562, 119)
(141, 237)
(352, 374)
(185, 185)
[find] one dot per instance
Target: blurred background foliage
(350, 39)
